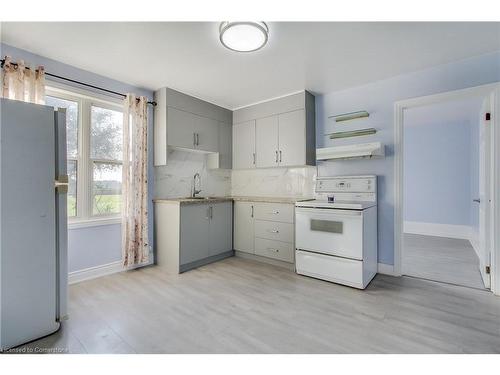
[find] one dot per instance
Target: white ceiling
(320, 57)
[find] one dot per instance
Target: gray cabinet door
(207, 134)
(244, 145)
(220, 232)
(292, 138)
(266, 142)
(194, 232)
(225, 145)
(244, 227)
(181, 127)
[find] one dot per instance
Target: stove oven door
(330, 231)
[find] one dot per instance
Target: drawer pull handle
(271, 249)
(274, 231)
(275, 212)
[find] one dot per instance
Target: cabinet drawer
(275, 212)
(272, 230)
(274, 249)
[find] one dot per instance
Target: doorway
(444, 185)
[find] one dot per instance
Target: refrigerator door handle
(61, 184)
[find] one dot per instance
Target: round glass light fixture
(243, 36)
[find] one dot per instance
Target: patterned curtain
(135, 182)
(22, 83)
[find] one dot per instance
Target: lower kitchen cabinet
(243, 227)
(191, 235)
(265, 229)
(220, 225)
(274, 249)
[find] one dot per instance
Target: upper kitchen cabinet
(207, 134)
(284, 133)
(292, 136)
(244, 145)
(266, 142)
(182, 121)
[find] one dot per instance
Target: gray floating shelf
(350, 116)
(353, 133)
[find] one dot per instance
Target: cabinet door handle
(276, 156)
(208, 213)
(251, 212)
(253, 158)
(280, 156)
(194, 139)
(197, 139)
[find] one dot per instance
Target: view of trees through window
(106, 132)
(103, 129)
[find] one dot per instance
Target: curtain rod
(80, 83)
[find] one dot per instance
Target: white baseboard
(386, 269)
(94, 272)
(438, 230)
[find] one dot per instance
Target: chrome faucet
(195, 191)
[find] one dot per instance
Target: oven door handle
(328, 211)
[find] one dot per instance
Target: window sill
(87, 223)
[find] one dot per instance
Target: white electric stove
(336, 234)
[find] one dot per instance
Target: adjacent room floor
(441, 259)
(242, 306)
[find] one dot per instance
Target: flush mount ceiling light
(244, 36)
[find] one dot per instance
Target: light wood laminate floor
(442, 259)
(242, 306)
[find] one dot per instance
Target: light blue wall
(90, 247)
(437, 178)
(93, 246)
(378, 98)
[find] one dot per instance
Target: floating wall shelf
(353, 133)
(349, 116)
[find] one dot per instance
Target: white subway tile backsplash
(175, 179)
(274, 182)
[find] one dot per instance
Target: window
(106, 131)
(94, 144)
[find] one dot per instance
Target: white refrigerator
(33, 221)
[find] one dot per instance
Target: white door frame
(399, 107)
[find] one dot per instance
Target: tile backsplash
(175, 179)
(273, 182)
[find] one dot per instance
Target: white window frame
(84, 204)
